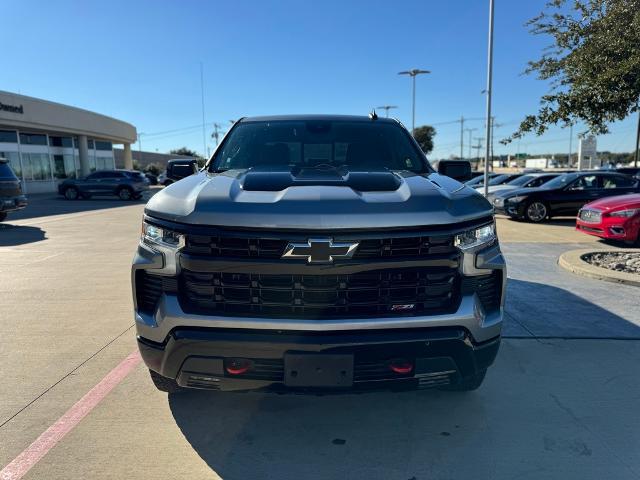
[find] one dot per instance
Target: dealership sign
(11, 108)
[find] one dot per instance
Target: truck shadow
(13, 235)
(414, 434)
(45, 205)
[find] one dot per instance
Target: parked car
(564, 195)
(530, 180)
(479, 180)
(125, 184)
(178, 169)
(11, 196)
(318, 253)
(633, 171)
(613, 218)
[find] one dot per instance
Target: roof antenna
(373, 115)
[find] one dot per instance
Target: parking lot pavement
(560, 402)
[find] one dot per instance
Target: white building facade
(46, 142)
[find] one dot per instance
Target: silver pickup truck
(318, 253)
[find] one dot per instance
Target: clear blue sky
(139, 61)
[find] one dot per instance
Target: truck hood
(281, 200)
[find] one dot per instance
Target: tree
(424, 136)
(593, 64)
(184, 151)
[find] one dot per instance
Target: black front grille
(149, 287)
(488, 288)
(370, 293)
(236, 246)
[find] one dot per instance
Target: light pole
(489, 81)
(637, 156)
(413, 73)
(386, 108)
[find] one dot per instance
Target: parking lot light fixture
(413, 73)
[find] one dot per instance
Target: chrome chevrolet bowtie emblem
(320, 250)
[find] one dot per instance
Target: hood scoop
(275, 181)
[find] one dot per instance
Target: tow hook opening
(401, 366)
(237, 366)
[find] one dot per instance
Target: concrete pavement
(561, 402)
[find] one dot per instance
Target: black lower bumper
(359, 360)
(10, 204)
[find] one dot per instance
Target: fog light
(237, 366)
(617, 230)
(401, 366)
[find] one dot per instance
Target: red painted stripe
(20, 465)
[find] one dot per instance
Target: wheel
(536, 212)
(71, 193)
(467, 384)
(164, 384)
(3, 216)
(125, 193)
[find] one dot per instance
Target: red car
(614, 218)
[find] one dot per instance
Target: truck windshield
(358, 146)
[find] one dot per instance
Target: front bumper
(196, 358)
(192, 347)
(612, 228)
(10, 204)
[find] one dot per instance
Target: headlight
(161, 236)
(625, 213)
(477, 237)
(518, 199)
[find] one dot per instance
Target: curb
(572, 261)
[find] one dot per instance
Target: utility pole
(204, 132)
(413, 74)
(461, 137)
(140, 146)
(478, 147)
(386, 108)
(494, 125)
(216, 133)
(489, 91)
(470, 130)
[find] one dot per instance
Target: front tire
(71, 193)
(536, 212)
(125, 194)
(164, 384)
(467, 384)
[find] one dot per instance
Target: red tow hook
(237, 366)
(401, 366)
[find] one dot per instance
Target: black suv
(11, 196)
(562, 196)
(125, 184)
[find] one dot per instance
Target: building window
(104, 163)
(103, 145)
(63, 166)
(14, 161)
(60, 142)
(36, 166)
(8, 136)
(33, 139)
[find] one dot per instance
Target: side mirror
(457, 169)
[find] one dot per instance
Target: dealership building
(46, 142)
